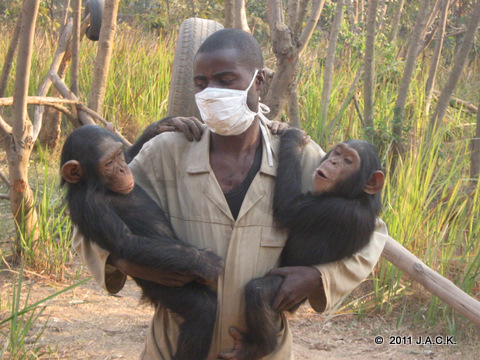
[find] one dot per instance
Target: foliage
(52, 251)
(20, 331)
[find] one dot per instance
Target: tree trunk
(104, 54)
(351, 16)
(58, 59)
(360, 11)
(7, 65)
(229, 13)
(432, 73)
(240, 18)
(369, 81)
(330, 62)
(415, 43)
(22, 202)
(460, 60)
(396, 22)
(382, 8)
(292, 12)
(293, 110)
(50, 132)
(475, 157)
(77, 13)
(288, 49)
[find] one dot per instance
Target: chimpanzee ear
(72, 171)
(375, 184)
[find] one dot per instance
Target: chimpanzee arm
(100, 223)
(191, 128)
(150, 132)
(288, 183)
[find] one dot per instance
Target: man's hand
(298, 283)
(237, 346)
(148, 273)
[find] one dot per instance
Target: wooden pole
(432, 281)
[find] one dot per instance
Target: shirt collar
(199, 156)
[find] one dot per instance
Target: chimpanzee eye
(348, 161)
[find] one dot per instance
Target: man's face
(224, 69)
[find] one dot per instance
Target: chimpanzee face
(340, 164)
(113, 169)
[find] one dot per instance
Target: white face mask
(225, 111)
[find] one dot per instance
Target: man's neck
(238, 144)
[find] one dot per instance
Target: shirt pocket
(272, 243)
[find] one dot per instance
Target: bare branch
(85, 114)
(292, 12)
(311, 24)
(5, 179)
(300, 16)
(84, 118)
(45, 85)
(103, 121)
(24, 59)
(75, 46)
(5, 129)
(456, 102)
(9, 57)
(104, 53)
(39, 100)
(4, 197)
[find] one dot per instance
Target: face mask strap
(251, 82)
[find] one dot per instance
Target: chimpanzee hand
(277, 127)
(298, 283)
(191, 127)
(208, 265)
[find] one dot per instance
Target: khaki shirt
(177, 175)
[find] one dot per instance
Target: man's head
(247, 47)
(228, 59)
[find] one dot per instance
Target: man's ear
(375, 184)
(261, 78)
(72, 171)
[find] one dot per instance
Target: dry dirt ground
(87, 323)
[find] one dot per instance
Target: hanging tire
(193, 31)
(95, 9)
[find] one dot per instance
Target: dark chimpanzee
(330, 224)
(120, 217)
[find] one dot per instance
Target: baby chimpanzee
(332, 223)
(110, 210)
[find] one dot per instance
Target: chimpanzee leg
(262, 321)
(197, 305)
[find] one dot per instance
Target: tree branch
(24, 58)
(5, 129)
(4, 197)
(311, 24)
(84, 118)
(39, 100)
(47, 82)
(5, 179)
(9, 57)
(85, 114)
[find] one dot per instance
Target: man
(218, 193)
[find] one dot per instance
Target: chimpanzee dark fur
(323, 228)
(134, 228)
